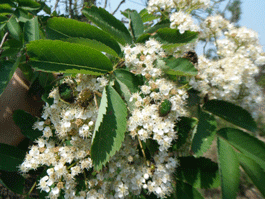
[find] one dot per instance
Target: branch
(123, 1)
(105, 5)
(226, 7)
(3, 39)
(55, 5)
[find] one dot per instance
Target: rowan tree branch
(3, 40)
(123, 1)
(55, 5)
(105, 5)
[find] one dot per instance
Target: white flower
(183, 22)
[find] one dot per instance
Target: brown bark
(15, 97)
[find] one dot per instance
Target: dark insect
(66, 93)
(192, 56)
(85, 97)
(164, 108)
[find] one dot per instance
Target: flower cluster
(231, 76)
(213, 26)
(183, 22)
(68, 123)
(168, 5)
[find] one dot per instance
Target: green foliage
(110, 128)
(229, 169)
(232, 113)
(5, 8)
(146, 17)
(161, 24)
(28, 4)
(136, 24)
(14, 28)
(64, 57)
(25, 122)
(7, 70)
(179, 66)
(127, 83)
(172, 38)
(22, 15)
(108, 23)
(13, 181)
(254, 171)
(205, 133)
(11, 157)
(93, 44)
(186, 191)
(95, 50)
(198, 172)
(184, 128)
(62, 28)
(245, 143)
(31, 31)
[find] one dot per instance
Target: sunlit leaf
(232, 113)
(65, 57)
(108, 23)
(110, 128)
(229, 169)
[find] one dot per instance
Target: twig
(141, 146)
(123, 1)
(3, 39)
(105, 5)
(55, 5)
(226, 7)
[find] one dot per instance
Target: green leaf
(172, 38)
(245, 143)
(3, 19)
(205, 134)
(146, 16)
(198, 172)
(179, 66)
(25, 122)
(232, 113)
(11, 157)
(143, 38)
(62, 28)
(29, 4)
(110, 128)
(229, 169)
(32, 31)
(126, 13)
(22, 15)
(14, 28)
(93, 44)
(64, 57)
(2, 26)
(11, 47)
(10, 2)
(27, 71)
(136, 24)
(184, 127)
(126, 83)
(186, 191)
(108, 23)
(129, 79)
(7, 70)
(254, 171)
(13, 181)
(6, 8)
(162, 24)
